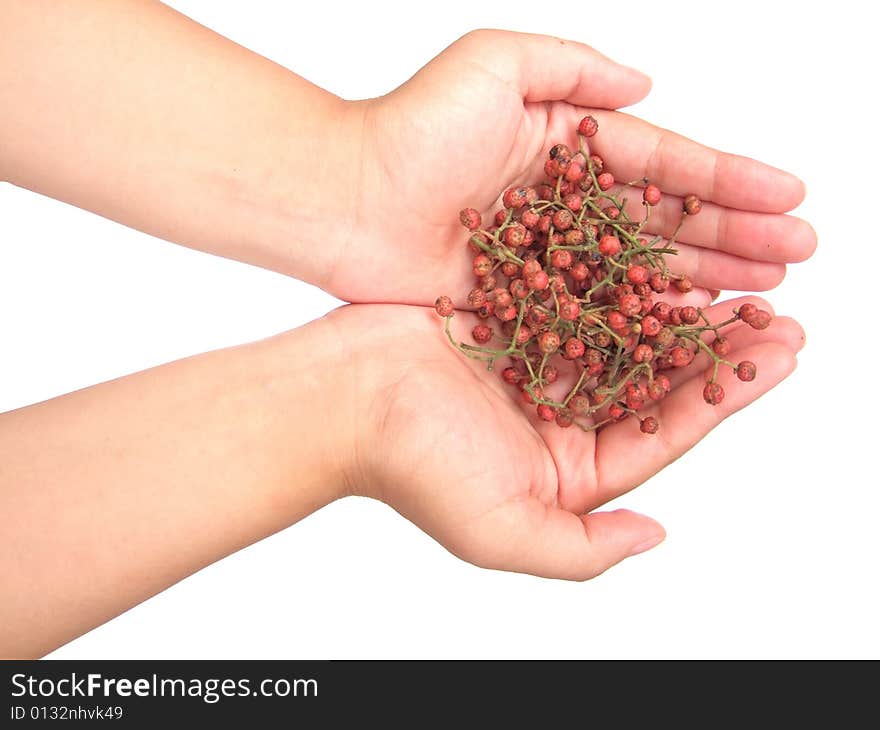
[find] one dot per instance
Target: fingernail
(646, 545)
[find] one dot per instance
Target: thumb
(544, 68)
(553, 543)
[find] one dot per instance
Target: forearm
(113, 493)
(131, 110)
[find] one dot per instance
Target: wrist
(303, 387)
(300, 209)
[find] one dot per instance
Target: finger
(684, 419)
(769, 237)
(545, 68)
(635, 149)
(719, 270)
(553, 543)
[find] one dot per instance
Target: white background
(772, 520)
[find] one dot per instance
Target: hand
(482, 116)
(453, 449)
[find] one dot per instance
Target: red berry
(574, 173)
(746, 312)
(652, 195)
(546, 412)
(470, 219)
(609, 245)
(643, 353)
(634, 398)
(650, 325)
(684, 284)
(551, 374)
(564, 418)
(664, 338)
(548, 343)
(500, 296)
(692, 205)
(560, 152)
(689, 315)
(664, 382)
(531, 267)
(721, 346)
(538, 281)
(510, 376)
(514, 235)
(588, 126)
(593, 357)
(681, 357)
(713, 393)
(573, 202)
(539, 395)
(760, 320)
(746, 371)
(500, 217)
(637, 274)
(630, 305)
(579, 271)
(561, 259)
(530, 218)
(569, 310)
(597, 164)
(509, 269)
(612, 212)
(545, 192)
(443, 305)
(524, 334)
(488, 282)
(617, 412)
(514, 198)
(573, 237)
(602, 339)
(519, 289)
(659, 283)
(662, 311)
(656, 391)
(579, 405)
(506, 314)
(482, 334)
(675, 316)
(486, 310)
(649, 425)
(562, 220)
(617, 320)
(574, 348)
(476, 298)
(482, 265)
(605, 181)
(536, 317)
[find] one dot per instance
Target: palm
(480, 118)
(460, 455)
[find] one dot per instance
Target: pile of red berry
(569, 289)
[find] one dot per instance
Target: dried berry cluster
(569, 290)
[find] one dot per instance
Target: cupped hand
(456, 451)
(482, 116)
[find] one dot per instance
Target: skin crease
(186, 463)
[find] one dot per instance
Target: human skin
(113, 493)
(130, 109)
